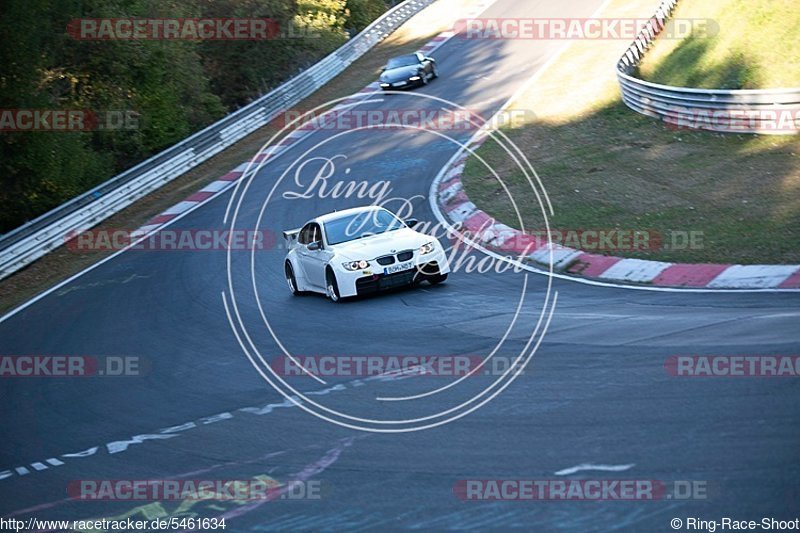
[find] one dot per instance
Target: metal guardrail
(766, 111)
(41, 235)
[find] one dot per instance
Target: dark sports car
(408, 71)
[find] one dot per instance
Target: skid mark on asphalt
(223, 503)
(578, 517)
(479, 516)
(311, 470)
(56, 503)
(104, 283)
(684, 331)
(171, 432)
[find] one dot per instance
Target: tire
(434, 72)
(438, 278)
(331, 287)
(290, 279)
(423, 79)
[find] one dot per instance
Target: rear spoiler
(290, 236)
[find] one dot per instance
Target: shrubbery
(175, 87)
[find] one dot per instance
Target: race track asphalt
(596, 390)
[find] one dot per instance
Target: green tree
(174, 87)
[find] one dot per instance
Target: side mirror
(383, 69)
(411, 222)
(313, 246)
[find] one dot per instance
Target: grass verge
(751, 44)
(606, 167)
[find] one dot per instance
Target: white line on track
(590, 466)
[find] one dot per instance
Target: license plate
(399, 267)
(399, 84)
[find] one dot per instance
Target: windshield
(352, 227)
(402, 61)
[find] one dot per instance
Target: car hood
(382, 244)
(400, 73)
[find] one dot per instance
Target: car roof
(415, 55)
(345, 212)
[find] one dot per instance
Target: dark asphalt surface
(596, 391)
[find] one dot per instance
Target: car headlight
(426, 248)
(384, 84)
(414, 78)
(356, 265)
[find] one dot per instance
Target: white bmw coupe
(359, 251)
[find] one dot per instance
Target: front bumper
(375, 279)
(400, 84)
